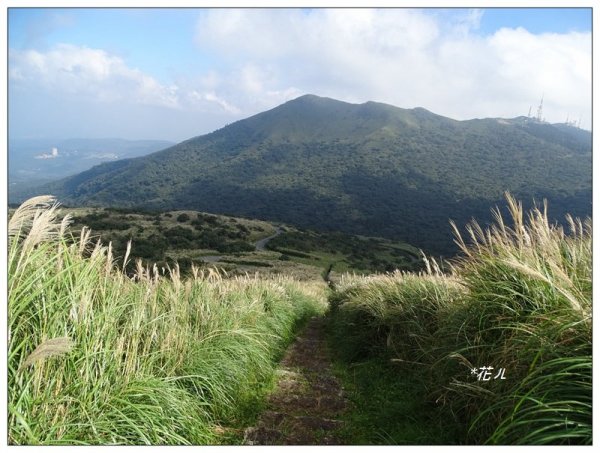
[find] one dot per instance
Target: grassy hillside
(369, 169)
(496, 350)
(229, 244)
(338, 253)
(519, 299)
(99, 357)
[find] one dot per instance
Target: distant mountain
(371, 169)
(33, 161)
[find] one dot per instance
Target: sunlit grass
(97, 357)
(519, 298)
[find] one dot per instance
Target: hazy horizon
(151, 138)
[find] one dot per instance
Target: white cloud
(212, 97)
(97, 76)
(401, 56)
(261, 58)
(91, 73)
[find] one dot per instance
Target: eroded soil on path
(306, 405)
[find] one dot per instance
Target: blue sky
(537, 20)
(168, 47)
(177, 73)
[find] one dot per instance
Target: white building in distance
(53, 155)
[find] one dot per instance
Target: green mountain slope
(370, 169)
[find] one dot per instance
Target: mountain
(370, 169)
(33, 161)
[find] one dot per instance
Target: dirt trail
(305, 407)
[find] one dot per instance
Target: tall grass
(97, 357)
(518, 298)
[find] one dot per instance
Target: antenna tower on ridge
(539, 109)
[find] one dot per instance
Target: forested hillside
(369, 169)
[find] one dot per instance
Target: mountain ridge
(359, 168)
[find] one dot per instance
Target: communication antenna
(539, 109)
(529, 114)
(579, 123)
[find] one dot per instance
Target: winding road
(260, 245)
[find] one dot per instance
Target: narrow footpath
(305, 407)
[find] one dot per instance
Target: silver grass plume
(48, 348)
